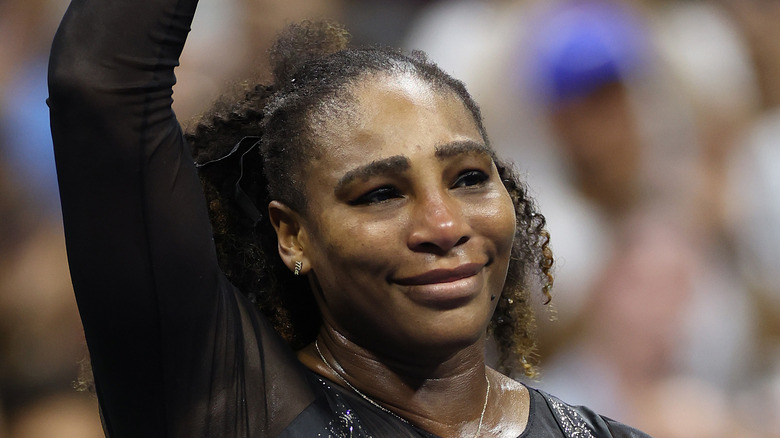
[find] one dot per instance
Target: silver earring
(298, 267)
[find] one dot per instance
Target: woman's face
(408, 229)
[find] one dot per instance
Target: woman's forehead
(362, 95)
(394, 112)
(401, 86)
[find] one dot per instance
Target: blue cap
(578, 47)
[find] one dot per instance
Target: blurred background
(648, 131)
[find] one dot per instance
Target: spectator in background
(638, 143)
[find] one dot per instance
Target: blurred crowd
(648, 131)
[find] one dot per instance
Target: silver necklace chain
(370, 400)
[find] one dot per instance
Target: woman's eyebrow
(462, 147)
(394, 164)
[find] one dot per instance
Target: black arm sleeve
(176, 351)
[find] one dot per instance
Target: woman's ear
(291, 236)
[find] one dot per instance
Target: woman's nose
(438, 224)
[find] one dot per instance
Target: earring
(298, 267)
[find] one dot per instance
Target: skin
(600, 137)
(406, 239)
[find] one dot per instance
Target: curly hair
(314, 73)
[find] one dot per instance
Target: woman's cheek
(496, 218)
(364, 241)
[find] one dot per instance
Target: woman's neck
(445, 397)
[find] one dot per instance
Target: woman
(394, 222)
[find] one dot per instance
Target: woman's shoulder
(549, 411)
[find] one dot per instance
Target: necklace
(370, 400)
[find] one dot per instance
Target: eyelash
(381, 194)
(471, 178)
(375, 196)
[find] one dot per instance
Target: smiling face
(408, 228)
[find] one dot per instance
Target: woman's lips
(436, 276)
(446, 288)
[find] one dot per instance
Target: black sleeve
(176, 351)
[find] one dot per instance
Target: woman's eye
(471, 178)
(377, 195)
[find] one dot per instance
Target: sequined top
(340, 413)
(176, 350)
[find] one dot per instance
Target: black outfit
(176, 350)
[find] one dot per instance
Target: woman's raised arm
(139, 241)
(176, 350)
